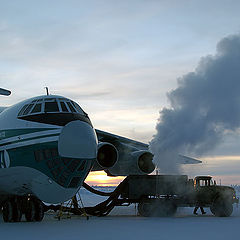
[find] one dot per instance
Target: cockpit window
(77, 107)
(37, 108)
(51, 107)
(71, 107)
(27, 110)
(63, 106)
(22, 110)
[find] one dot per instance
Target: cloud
(204, 106)
(115, 55)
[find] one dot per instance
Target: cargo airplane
(48, 146)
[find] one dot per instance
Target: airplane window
(33, 101)
(71, 107)
(37, 108)
(53, 162)
(66, 173)
(39, 100)
(62, 179)
(47, 153)
(77, 107)
(54, 152)
(81, 167)
(66, 161)
(51, 107)
(22, 110)
(27, 110)
(38, 155)
(55, 172)
(63, 106)
(74, 164)
(74, 183)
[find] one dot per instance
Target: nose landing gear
(14, 207)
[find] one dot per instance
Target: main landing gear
(14, 207)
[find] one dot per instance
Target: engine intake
(107, 155)
(145, 163)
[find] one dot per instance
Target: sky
(117, 59)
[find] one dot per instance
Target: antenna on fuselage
(47, 91)
(4, 92)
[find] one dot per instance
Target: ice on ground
(124, 223)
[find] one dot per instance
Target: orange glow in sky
(100, 178)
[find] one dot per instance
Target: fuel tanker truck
(162, 195)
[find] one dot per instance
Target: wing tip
(188, 160)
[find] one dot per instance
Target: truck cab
(201, 181)
(218, 198)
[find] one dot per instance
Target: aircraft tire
(7, 211)
(17, 211)
(30, 211)
(12, 211)
(39, 210)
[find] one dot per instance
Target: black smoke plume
(204, 106)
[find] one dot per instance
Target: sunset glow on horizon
(222, 168)
(100, 178)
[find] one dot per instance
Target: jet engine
(134, 163)
(107, 155)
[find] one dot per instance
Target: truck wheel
(39, 210)
(156, 208)
(221, 207)
(145, 208)
(17, 211)
(165, 209)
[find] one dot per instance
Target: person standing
(201, 208)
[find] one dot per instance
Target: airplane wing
(134, 157)
(187, 160)
(109, 137)
(105, 136)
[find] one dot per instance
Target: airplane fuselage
(47, 148)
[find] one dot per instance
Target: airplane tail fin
(187, 160)
(4, 92)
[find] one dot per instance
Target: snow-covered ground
(123, 223)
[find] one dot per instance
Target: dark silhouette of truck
(161, 195)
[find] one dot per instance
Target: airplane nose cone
(77, 147)
(78, 140)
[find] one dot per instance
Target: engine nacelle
(107, 155)
(134, 163)
(144, 161)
